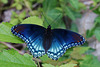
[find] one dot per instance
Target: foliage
(11, 58)
(17, 18)
(65, 65)
(78, 52)
(33, 20)
(4, 1)
(74, 27)
(96, 29)
(90, 61)
(6, 35)
(54, 12)
(2, 46)
(97, 33)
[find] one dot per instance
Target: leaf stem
(10, 46)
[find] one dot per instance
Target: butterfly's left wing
(32, 35)
(62, 40)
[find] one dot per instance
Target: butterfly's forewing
(32, 35)
(62, 40)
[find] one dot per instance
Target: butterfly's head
(48, 30)
(49, 27)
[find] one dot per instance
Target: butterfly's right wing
(62, 40)
(32, 35)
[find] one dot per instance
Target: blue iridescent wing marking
(62, 40)
(32, 35)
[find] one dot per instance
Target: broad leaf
(90, 61)
(74, 3)
(74, 27)
(49, 5)
(47, 65)
(97, 33)
(60, 61)
(68, 65)
(78, 52)
(64, 65)
(44, 58)
(2, 46)
(97, 19)
(14, 21)
(4, 1)
(54, 18)
(90, 33)
(6, 35)
(69, 13)
(33, 20)
(11, 58)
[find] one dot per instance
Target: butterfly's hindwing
(36, 47)
(56, 50)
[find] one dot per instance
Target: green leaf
(68, 65)
(69, 13)
(47, 65)
(4, 1)
(6, 35)
(64, 65)
(14, 21)
(14, 15)
(90, 61)
(54, 18)
(97, 19)
(45, 59)
(11, 58)
(2, 46)
(40, 1)
(74, 27)
(28, 4)
(96, 10)
(14, 5)
(78, 52)
(90, 51)
(22, 14)
(49, 5)
(18, 6)
(96, 0)
(97, 33)
(33, 20)
(82, 6)
(74, 3)
(69, 51)
(89, 33)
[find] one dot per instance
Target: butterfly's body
(42, 41)
(47, 38)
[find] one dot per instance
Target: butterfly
(41, 41)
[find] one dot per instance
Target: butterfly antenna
(45, 19)
(56, 18)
